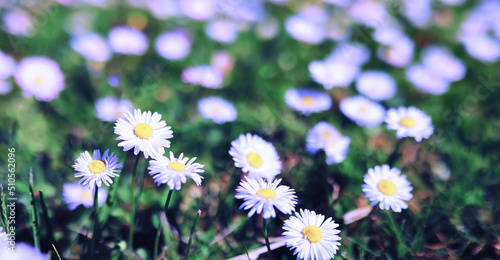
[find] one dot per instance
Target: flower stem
(158, 232)
(132, 211)
(191, 234)
(397, 232)
(264, 228)
(95, 233)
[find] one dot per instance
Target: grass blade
(34, 215)
(191, 234)
(57, 253)
(46, 218)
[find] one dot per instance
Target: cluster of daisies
(139, 131)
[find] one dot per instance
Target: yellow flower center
(216, 110)
(266, 193)
(97, 166)
(254, 159)
(143, 130)
(312, 233)
(177, 166)
(387, 187)
(363, 110)
(84, 196)
(407, 122)
(326, 135)
(308, 100)
(38, 80)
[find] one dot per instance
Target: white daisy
(5, 87)
(18, 22)
(7, 65)
(40, 77)
(318, 135)
(174, 45)
(144, 132)
(362, 111)
(336, 149)
(325, 136)
(201, 10)
(311, 235)
(398, 53)
(427, 80)
(75, 194)
(376, 85)
(307, 101)
(387, 186)
(4, 240)
(332, 73)
(91, 46)
(173, 171)
(409, 122)
(22, 251)
(254, 155)
(440, 60)
(261, 197)
(305, 30)
(97, 169)
(127, 40)
(217, 109)
(223, 31)
(204, 75)
(110, 108)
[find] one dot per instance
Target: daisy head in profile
(388, 187)
(410, 122)
(257, 157)
(262, 197)
(143, 131)
(217, 110)
(96, 169)
(75, 194)
(363, 111)
(307, 101)
(311, 235)
(174, 171)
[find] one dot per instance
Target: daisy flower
(223, 31)
(75, 194)
(7, 65)
(40, 77)
(305, 30)
(22, 251)
(336, 149)
(204, 75)
(387, 186)
(409, 122)
(18, 22)
(97, 169)
(127, 40)
(376, 85)
(307, 101)
(311, 235)
(200, 10)
(223, 61)
(318, 136)
(257, 157)
(442, 61)
(333, 73)
(173, 171)
(173, 45)
(427, 80)
(144, 132)
(91, 46)
(363, 111)
(262, 197)
(217, 109)
(4, 240)
(110, 108)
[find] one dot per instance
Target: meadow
(327, 91)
